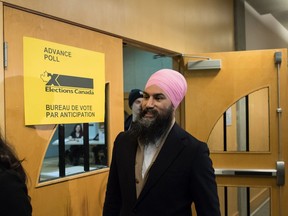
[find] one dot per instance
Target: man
(158, 169)
(134, 100)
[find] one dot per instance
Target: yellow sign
(62, 84)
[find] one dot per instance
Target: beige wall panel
(74, 195)
(182, 26)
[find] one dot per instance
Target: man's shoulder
(121, 135)
(125, 137)
(177, 129)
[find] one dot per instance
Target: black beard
(150, 131)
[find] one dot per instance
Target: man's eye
(158, 98)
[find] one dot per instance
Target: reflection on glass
(245, 201)
(244, 127)
(99, 145)
(76, 147)
(74, 136)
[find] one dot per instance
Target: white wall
(263, 31)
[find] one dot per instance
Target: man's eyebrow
(154, 95)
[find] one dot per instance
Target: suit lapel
(129, 157)
(170, 150)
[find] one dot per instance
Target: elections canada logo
(58, 83)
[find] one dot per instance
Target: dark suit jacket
(128, 122)
(181, 174)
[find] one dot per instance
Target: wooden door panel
(212, 92)
(83, 194)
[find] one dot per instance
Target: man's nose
(150, 102)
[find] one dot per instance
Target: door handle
(279, 172)
(280, 165)
(246, 172)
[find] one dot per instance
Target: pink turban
(171, 82)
